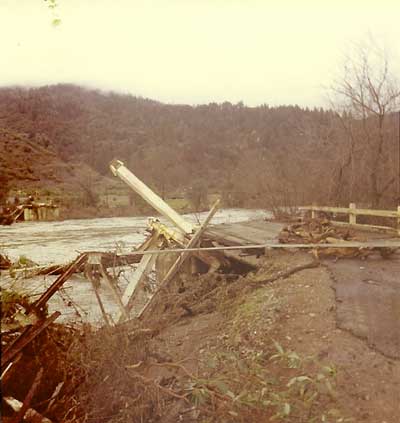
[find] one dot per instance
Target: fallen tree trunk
(285, 274)
(107, 259)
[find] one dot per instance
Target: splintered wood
(313, 231)
(321, 231)
(181, 259)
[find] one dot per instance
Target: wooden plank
(98, 298)
(358, 212)
(181, 259)
(119, 169)
(224, 238)
(107, 259)
(141, 272)
(31, 415)
(364, 226)
(265, 226)
(28, 399)
(148, 264)
(26, 337)
(244, 232)
(114, 291)
(170, 234)
(58, 283)
(5, 371)
(344, 210)
(273, 245)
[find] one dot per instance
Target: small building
(29, 212)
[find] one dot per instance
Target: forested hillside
(260, 156)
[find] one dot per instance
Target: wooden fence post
(313, 212)
(398, 220)
(352, 216)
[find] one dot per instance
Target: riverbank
(222, 348)
(289, 337)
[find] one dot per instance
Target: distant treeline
(254, 156)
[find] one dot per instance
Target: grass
(250, 376)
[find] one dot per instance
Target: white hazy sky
(192, 51)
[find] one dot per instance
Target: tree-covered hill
(251, 156)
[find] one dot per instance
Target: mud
(153, 370)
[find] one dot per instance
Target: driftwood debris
(346, 251)
(58, 283)
(94, 276)
(31, 415)
(142, 272)
(285, 274)
(26, 336)
(108, 260)
(313, 231)
(5, 262)
(28, 399)
(321, 231)
(180, 260)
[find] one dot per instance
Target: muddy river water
(60, 242)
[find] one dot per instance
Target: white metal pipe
(120, 170)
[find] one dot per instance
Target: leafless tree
(367, 93)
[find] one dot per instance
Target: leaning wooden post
(119, 169)
(141, 272)
(90, 276)
(181, 259)
(114, 291)
(28, 399)
(352, 215)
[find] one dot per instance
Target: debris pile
(322, 231)
(5, 262)
(121, 372)
(33, 362)
(313, 231)
(29, 334)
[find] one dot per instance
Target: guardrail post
(352, 216)
(398, 220)
(313, 212)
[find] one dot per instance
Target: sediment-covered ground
(224, 347)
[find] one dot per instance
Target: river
(60, 242)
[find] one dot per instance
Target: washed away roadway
(368, 300)
(367, 291)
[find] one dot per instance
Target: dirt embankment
(229, 348)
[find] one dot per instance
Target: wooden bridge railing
(353, 212)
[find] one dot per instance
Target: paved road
(368, 300)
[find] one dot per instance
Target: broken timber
(26, 336)
(182, 235)
(219, 243)
(214, 247)
(181, 259)
(142, 271)
(119, 169)
(28, 399)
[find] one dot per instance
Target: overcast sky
(192, 51)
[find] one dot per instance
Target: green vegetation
(249, 375)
